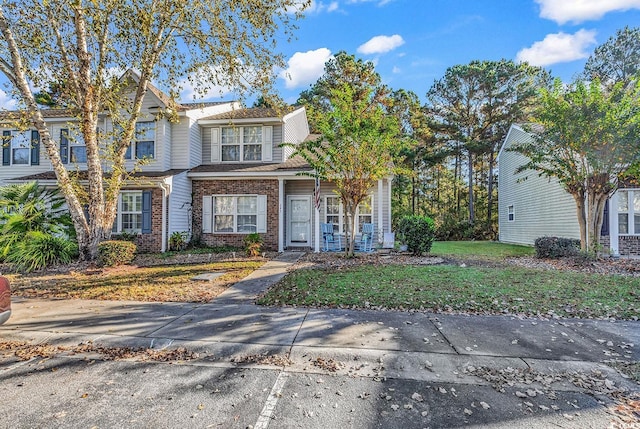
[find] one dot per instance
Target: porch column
(381, 226)
(281, 215)
(613, 225)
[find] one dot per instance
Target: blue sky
(413, 42)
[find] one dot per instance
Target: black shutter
(35, 147)
(6, 147)
(605, 220)
(146, 212)
(64, 145)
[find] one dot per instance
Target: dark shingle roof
(50, 175)
(295, 163)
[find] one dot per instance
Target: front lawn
(452, 288)
(489, 250)
(157, 283)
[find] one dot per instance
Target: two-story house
(218, 174)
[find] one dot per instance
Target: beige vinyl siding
(296, 129)
(181, 149)
(541, 206)
(179, 203)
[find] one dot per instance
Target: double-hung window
(235, 213)
(511, 214)
(241, 143)
(129, 217)
(144, 142)
(20, 147)
(629, 212)
(72, 146)
(334, 212)
(242, 214)
(364, 212)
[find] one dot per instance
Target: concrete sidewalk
(416, 348)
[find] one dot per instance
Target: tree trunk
(579, 198)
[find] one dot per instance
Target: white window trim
(631, 193)
(27, 134)
(134, 143)
(511, 210)
(342, 213)
(119, 213)
(266, 143)
(209, 214)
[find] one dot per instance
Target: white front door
(299, 220)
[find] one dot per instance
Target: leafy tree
(359, 139)
(586, 136)
(83, 44)
(618, 59)
(472, 108)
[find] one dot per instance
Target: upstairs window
(241, 144)
(20, 147)
(144, 141)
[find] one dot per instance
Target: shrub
(37, 250)
(556, 247)
(253, 244)
(178, 240)
(115, 252)
(418, 233)
(125, 236)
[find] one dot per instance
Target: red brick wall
(153, 242)
(629, 245)
(269, 188)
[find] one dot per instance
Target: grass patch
(159, 283)
(488, 250)
(479, 290)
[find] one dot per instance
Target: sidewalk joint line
(444, 336)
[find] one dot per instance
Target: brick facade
(153, 242)
(269, 188)
(629, 245)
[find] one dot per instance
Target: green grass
(479, 290)
(488, 250)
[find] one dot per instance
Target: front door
(299, 220)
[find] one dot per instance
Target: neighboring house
(217, 174)
(532, 206)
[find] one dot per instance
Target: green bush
(115, 252)
(37, 250)
(556, 247)
(178, 240)
(417, 232)
(253, 244)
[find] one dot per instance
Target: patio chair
(328, 239)
(366, 240)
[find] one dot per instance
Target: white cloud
(304, 68)
(315, 7)
(7, 102)
(559, 48)
(562, 11)
(381, 44)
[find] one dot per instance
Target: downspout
(281, 215)
(381, 226)
(166, 190)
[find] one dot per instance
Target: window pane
(253, 152)
(145, 131)
(252, 135)
(20, 156)
(636, 224)
(21, 140)
(132, 202)
(333, 205)
(623, 223)
(230, 136)
(223, 223)
(247, 204)
(247, 223)
(623, 201)
(78, 154)
(231, 153)
(636, 201)
(144, 149)
(223, 205)
(365, 206)
(131, 221)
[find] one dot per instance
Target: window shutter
(64, 145)
(146, 212)
(215, 144)
(207, 218)
(262, 214)
(6, 147)
(35, 147)
(605, 220)
(267, 143)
